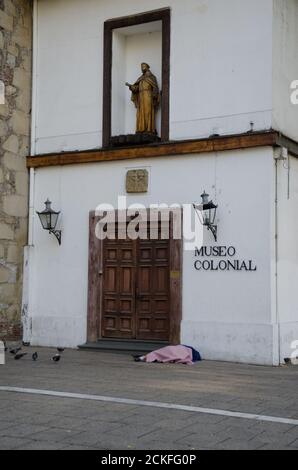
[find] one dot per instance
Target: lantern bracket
(213, 229)
(57, 234)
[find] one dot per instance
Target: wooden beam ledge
(211, 144)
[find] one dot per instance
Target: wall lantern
(206, 213)
(48, 219)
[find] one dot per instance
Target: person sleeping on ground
(179, 354)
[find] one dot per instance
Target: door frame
(95, 282)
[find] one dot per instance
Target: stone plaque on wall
(137, 181)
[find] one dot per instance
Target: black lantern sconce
(48, 219)
(206, 213)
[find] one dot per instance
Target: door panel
(118, 319)
(153, 297)
(136, 289)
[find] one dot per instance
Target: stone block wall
(15, 73)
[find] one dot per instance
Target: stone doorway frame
(95, 271)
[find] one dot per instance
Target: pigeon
(19, 356)
(26, 344)
(34, 356)
(60, 350)
(15, 351)
(56, 358)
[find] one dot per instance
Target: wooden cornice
(211, 144)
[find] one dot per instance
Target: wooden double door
(136, 289)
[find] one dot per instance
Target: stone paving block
(160, 445)
(245, 434)
(57, 410)
(244, 406)
(272, 428)
(4, 426)
(240, 422)
(11, 414)
(202, 418)
(36, 445)
(204, 428)
(284, 439)
(24, 430)
(83, 413)
(99, 427)
(281, 412)
(85, 438)
(292, 432)
(276, 446)
(71, 423)
(198, 441)
(124, 443)
(166, 434)
(110, 412)
(133, 432)
(175, 418)
(294, 444)
(40, 419)
(292, 414)
(78, 447)
(55, 435)
(28, 408)
(128, 418)
(10, 443)
(239, 444)
(5, 403)
(139, 418)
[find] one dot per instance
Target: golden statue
(146, 97)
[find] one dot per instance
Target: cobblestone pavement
(29, 421)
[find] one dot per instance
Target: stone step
(124, 346)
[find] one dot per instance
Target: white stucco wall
(220, 78)
(226, 315)
(285, 66)
(118, 80)
(287, 267)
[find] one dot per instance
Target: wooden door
(152, 290)
(119, 298)
(136, 289)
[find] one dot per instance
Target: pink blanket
(179, 354)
